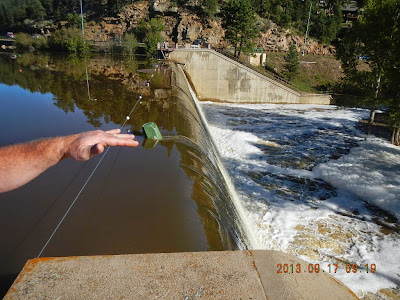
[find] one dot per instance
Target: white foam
(290, 216)
(371, 171)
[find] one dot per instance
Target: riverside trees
(326, 17)
(376, 38)
(292, 62)
(238, 21)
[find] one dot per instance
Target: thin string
(87, 181)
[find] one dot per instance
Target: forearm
(21, 163)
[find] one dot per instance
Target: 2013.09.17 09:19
(331, 268)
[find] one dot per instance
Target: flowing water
(313, 185)
(164, 197)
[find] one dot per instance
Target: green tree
(129, 43)
(35, 10)
(156, 25)
(69, 39)
(262, 7)
(75, 20)
(151, 41)
(326, 21)
(238, 21)
(210, 7)
(150, 34)
(375, 36)
(26, 41)
(141, 30)
(292, 62)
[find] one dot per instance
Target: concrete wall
(217, 77)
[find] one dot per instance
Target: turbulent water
(313, 185)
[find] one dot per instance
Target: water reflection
(165, 199)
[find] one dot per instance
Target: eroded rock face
(189, 28)
(164, 6)
(276, 39)
(134, 13)
(115, 28)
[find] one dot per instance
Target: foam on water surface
(313, 185)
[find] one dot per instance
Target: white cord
(87, 181)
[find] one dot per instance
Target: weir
(219, 78)
(227, 197)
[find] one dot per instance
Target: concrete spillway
(217, 77)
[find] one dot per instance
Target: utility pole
(83, 30)
(308, 24)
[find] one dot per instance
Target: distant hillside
(280, 22)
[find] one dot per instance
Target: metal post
(83, 30)
(308, 23)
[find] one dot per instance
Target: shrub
(129, 43)
(26, 41)
(69, 39)
(23, 40)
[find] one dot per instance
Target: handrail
(265, 72)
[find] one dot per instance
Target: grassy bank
(317, 73)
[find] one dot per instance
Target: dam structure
(217, 77)
(193, 274)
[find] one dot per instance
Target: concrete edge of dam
(220, 78)
(260, 274)
(250, 240)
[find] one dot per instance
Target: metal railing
(264, 72)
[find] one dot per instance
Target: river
(312, 184)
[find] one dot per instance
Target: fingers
(116, 141)
(116, 133)
(96, 149)
(125, 136)
(113, 131)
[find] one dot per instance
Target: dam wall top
(219, 78)
(190, 275)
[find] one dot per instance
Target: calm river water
(162, 198)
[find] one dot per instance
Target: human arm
(21, 163)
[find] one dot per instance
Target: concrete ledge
(205, 275)
(322, 99)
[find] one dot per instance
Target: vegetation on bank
(70, 39)
(375, 40)
(325, 22)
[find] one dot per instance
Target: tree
(239, 22)
(150, 34)
(129, 43)
(375, 37)
(327, 21)
(141, 30)
(262, 7)
(75, 20)
(69, 39)
(210, 7)
(292, 62)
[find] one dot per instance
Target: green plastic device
(151, 131)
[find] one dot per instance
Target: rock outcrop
(276, 39)
(182, 25)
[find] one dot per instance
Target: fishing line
(87, 181)
(90, 176)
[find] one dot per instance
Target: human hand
(87, 144)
